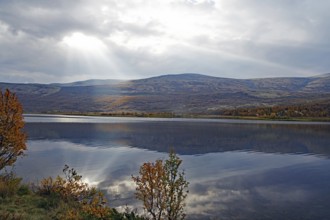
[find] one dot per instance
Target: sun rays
(90, 56)
(84, 43)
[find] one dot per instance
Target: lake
(237, 169)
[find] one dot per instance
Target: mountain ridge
(176, 93)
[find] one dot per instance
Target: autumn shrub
(162, 188)
(85, 202)
(9, 184)
(12, 137)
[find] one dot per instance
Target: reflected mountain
(192, 138)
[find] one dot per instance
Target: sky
(71, 40)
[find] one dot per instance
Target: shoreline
(184, 116)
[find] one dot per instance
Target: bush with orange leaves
(85, 202)
(12, 137)
(162, 188)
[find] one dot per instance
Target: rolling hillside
(182, 93)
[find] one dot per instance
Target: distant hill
(180, 94)
(91, 82)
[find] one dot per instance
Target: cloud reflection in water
(238, 170)
(230, 184)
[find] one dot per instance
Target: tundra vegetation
(161, 186)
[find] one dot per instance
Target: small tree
(12, 138)
(176, 188)
(162, 188)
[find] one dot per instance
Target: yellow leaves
(97, 206)
(89, 202)
(12, 138)
(47, 186)
(72, 214)
(150, 187)
(162, 188)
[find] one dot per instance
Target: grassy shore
(60, 198)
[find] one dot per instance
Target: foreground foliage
(86, 202)
(12, 138)
(162, 188)
(60, 198)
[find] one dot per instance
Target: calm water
(236, 169)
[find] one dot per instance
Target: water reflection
(234, 185)
(236, 171)
(294, 190)
(190, 137)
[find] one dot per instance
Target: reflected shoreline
(191, 137)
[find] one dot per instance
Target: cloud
(144, 38)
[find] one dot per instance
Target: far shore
(196, 116)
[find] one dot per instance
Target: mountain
(91, 82)
(182, 93)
